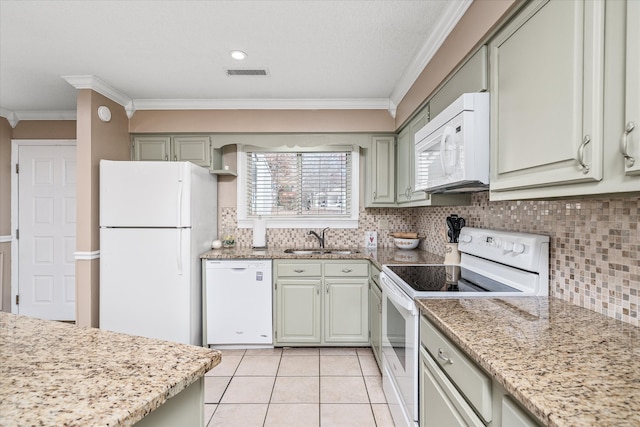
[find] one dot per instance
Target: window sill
(302, 223)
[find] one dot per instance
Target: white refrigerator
(156, 218)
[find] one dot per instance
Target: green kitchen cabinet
(559, 101)
(297, 289)
(630, 140)
(346, 308)
(375, 314)
(192, 148)
(380, 172)
(546, 120)
(406, 150)
(298, 311)
(321, 302)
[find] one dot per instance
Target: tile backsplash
(594, 249)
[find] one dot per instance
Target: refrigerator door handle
(179, 252)
(179, 203)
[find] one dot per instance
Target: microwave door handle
(448, 131)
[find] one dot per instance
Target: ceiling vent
(247, 73)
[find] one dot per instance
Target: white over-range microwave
(452, 150)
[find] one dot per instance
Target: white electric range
(492, 264)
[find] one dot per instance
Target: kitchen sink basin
(323, 251)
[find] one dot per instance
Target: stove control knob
(465, 238)
(507, 246)
(518, 248)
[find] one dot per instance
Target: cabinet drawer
(474, 384)
(346, 270)
(299, 270)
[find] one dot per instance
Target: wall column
(96, 140)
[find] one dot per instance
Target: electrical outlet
(383, 224)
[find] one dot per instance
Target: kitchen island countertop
(379, 256)
(567, 365)
(53, 373)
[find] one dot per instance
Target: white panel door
(47, 224)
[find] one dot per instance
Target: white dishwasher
(238, 303)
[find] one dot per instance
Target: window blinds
(299, 184)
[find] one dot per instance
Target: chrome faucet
(320, 238)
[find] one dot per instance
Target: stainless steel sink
(323, 251)
(303, 251)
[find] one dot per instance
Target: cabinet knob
(624, 149)
(443, 356)
(583, 165)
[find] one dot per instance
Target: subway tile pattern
(594, 249)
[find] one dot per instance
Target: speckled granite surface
(56, 374)
(567, 365)
(378, 256)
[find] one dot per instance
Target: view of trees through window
(299, 184)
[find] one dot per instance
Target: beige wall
(96, 140)
(472, 30)
(266, 121)
(45, 129)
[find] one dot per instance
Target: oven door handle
(397, 296)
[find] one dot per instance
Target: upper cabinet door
(156, 148)
(380, 182)
(405, 168)
(195, 149)
(630, 140)
(547, 96)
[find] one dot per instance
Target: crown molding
(15, 116)
(96, 84)
(262, 104)
(443, 28)
(10, 116)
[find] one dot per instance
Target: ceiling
(174, 54)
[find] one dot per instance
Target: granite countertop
(567, 365)
(379, 256)
(56, 374)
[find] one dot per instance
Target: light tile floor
(319, 387)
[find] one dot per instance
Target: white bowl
(406, 243)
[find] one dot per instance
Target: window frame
(349, 221)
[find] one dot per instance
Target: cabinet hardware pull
(443, 357)
(166, 157)
(347, 270)
(175, 158)
(375, 195)
(317, 289)
(630, 161)
(585, 167)
(299, 270)
(327, 289)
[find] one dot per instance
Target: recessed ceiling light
(238, 54)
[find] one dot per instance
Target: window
(307, 187)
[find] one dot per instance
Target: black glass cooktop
(446, 278)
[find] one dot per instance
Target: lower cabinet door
(346, 310)
(440, 403)
(298, 311)
(375, 322)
